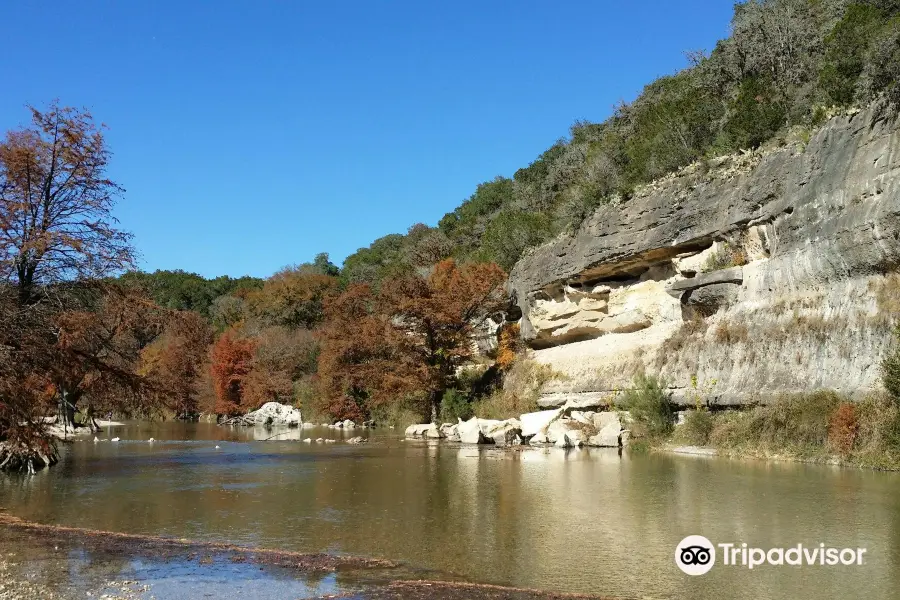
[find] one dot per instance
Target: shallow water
(591, 521)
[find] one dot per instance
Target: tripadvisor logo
(696, 555)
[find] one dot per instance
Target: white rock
(449, 431)
(423, 430)
(348, 424)
(562, 442)
(329, 441)
(308, 441)
(115, 439)
(539, 438)
(537, 422)
(308, 425)
(608, 436)
(504, 432)
(582, 417)
(320, 440)
(603, 419)
(151, 440)
(470, 431)
(275, 413)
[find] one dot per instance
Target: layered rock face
(736, 280)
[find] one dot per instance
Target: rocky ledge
(736, 280)
(563, 427)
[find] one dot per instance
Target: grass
(520, 392)
(820, 426)
(724, 257)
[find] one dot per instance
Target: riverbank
(821, 427)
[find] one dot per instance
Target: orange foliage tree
(292, 298)
(98, 350)
(173, 364)
(231, 359)
(410, 337)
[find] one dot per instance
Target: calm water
(579, 521)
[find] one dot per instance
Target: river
(583, 520)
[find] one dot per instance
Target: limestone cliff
(736, 279)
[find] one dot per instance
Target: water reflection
(582, 520)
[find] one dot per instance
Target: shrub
(877, 442)
(455, 405)
(521, 389)
(890, 371)
(756, 114)
(724, 257)
(697, 427)
(845, 52)
(509, 347)
(798, 424)
(651, 410)
(842, 428)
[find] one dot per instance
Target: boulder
(601, 419)
(505, 433)
(449, 430)
(538, 438)
(424, 430)
(348, 424)
(562, 442)
(609, 436)
(357, 440)
(308, 425)
(273, 413)
(576, 437)
(582, 417)
(470, 432)
(537, 422)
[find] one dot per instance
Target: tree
(408, 339)
(173, 364)
(231, 361)
(292, 298)
(281, 357)
(438, 317)
(98, 347)
(26, 389)
(56, 203)
(359, 366)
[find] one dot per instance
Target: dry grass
(691, 330)
(731, 333)
(521, 389)
(725, 257)
(887, 294)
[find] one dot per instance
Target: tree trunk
(67, 409)
(436, 398)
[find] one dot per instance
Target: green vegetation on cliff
(784, 64)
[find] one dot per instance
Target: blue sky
(251, 135)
